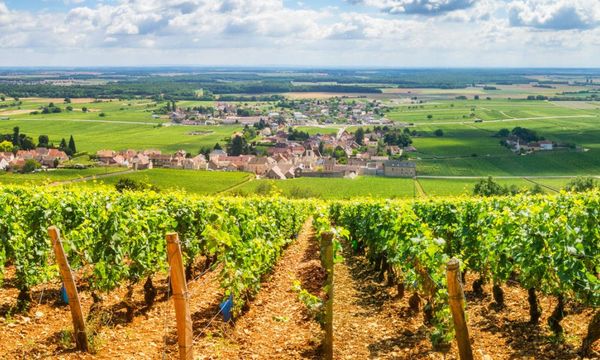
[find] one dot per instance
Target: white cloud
(555, 15)
(423, 7)
(250, 32)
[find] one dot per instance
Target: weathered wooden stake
(456, 299)
(180, 298)
(67, 276)
(327, 254)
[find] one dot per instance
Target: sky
(310, 33)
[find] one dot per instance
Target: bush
(581, 184)
(127, 184)
(438, 132)
(264, 188)
(488, 187)
(302, 193)
(30, 166)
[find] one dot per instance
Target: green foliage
(313, 303)
(30, 166)
(6, 146)
(550, 243)
(582, 184)
(127, 184)
(119, 237)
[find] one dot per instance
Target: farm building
(396, 168)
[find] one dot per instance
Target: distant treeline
(170, 89)
(210, 83)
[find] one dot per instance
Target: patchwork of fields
(468, 146)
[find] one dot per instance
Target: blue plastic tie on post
(63, 294)
(226, 307)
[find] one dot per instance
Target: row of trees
(19, 141)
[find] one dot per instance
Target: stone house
(396, 168)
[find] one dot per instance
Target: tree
(30, 166)
(439, 132)
(503, 133)
(63, 145)
(2, 98)
(43, 141)
(217, 147)
(476, 97)
(237, 146)
(359, 136)
(321, 148)
(488, 187)
(67, 100)
(72, 146)
(84, 109)
(16, 140)
(102, 114)
(6, 146)
(429, 116)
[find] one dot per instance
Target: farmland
(196, 182)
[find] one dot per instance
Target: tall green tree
(43, 141)
(237, 146)
(72, 146)
(359, 136)
(16, 140)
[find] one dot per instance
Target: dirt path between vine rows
(276, 325)
(369, 322)
(372, 322)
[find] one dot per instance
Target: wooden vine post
(327, 259)
(180, 298)
(456, 298)
(67, 276)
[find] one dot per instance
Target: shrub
(134, 185)
(582, 184)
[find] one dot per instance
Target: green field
(48, 177)
(198, 182)
(364, 186)
(467, 148)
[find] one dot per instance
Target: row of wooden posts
(178, 285)
(456, 299)
(182, 309)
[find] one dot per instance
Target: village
(339, 155)
(291, 112)
(39, 157)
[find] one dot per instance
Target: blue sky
(396, 33)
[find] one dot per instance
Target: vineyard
(548, 246)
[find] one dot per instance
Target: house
(46, 157)
(329, 164)
(216, 154)
(260, 165)
(141, 162)
(4, 163)
(546, 145)
(196, 163)
(160, 160)
(275, 173)
(397, 168)
(106, 157)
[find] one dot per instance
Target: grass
(198, 182)
(91, 137)
(338, 188)
(450, 187)
(47, 177)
